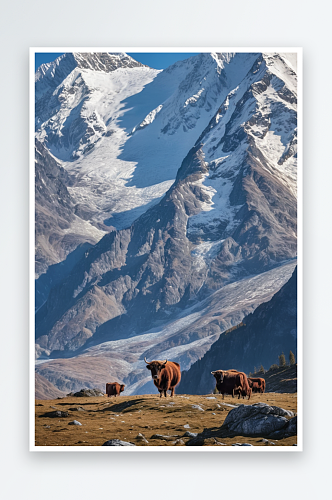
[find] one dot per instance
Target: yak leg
(165, 393)
(172, 391)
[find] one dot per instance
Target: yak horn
(164, 362)
(146, 361)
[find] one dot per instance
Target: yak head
(156, 368)
(218, 375)
(122, 386)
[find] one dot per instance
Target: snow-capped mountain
(195, 167)
(48, 76)
(145, 121)
(250, 149)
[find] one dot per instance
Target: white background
(179, 24)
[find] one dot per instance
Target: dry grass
(125, 417)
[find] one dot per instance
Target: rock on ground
(55, 414)
(74, 422)
(178, 442)
(197, 407)
(190, 434)
(117, 442)
(85, 393)
(260, 419)
(289, 430)
(164, 437)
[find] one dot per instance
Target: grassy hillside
(126, 417)
(282, 379)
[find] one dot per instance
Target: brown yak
(231, 382)
(165, 375)
(114, 389)
(257, 384)
(241, 392)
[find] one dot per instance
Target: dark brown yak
(114, 389)
(232, 382)
(257, 384)
(165, 375)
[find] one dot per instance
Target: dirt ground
(126, 417)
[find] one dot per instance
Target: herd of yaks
(167, 374)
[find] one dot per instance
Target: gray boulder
(289, 430)
(55, 414)
(190, 434)
(86, 393)
(74, 422)
(117, 442)
(261, 419)
(164, 437)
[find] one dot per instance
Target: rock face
(261, 419)
(58, 230)
(270, 330)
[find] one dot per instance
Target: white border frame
(32, 446)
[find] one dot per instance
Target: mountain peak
(48, 76)
(105, 61)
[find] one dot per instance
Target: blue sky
(159, 60)
(155, 60)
